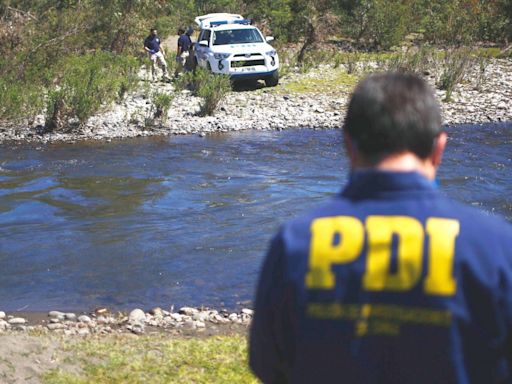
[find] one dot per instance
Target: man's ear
(438, 150)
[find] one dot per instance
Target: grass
(339, 80)
(154, 359)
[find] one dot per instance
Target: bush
(85, 84)
(209, 86)
(416, 60)
(161, 103)
(19, 100)
(456, 63)
(212, 90)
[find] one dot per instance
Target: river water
(185, 220)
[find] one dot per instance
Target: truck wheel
(272, 80)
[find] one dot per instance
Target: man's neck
(404, 162)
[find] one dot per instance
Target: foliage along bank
(70, 58)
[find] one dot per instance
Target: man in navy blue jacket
(388, 282)
(156, 54)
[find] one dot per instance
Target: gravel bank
(186, 321)
(477, 100)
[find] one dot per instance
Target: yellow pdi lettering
(340, 240)
(324, 251)
(442, 234)
(409, 233)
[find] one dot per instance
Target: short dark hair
(393, 112)
(181, 31)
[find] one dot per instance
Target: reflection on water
(185, 220)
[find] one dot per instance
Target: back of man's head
(393, 113)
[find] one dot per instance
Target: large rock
(189, 311)
(137, 316)
(17, 321)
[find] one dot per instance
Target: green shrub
(351, 61)
(287, 62)
(210, 87)
(456, 63)
(415, 60)
(86, 84)
(161, 103)
(308, 63)
(19, 100)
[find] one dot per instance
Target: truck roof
(213, 20)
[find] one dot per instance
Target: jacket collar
(373, 183)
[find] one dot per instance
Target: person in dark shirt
(156, 54)
(389, 281)
(183, 51)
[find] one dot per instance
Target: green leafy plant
(86, 84)
(212, 88)
(415, 60)
(456, 63)
(162, 103)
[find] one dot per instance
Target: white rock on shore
(473, 101)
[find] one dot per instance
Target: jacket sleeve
(265, 349)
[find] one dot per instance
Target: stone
(55, 326)
(17, 321)
(2, 315)
(57, 314)
(200, 316)
(70, 316)
(248, 311)
(84, 319)
(137, 316)
(157, 312)
(137, 328)
(83, 331)
(189, 325)
(189, 311)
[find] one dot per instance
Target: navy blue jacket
(389, 282)
(184, 42)
(152, 43)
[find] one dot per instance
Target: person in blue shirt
(390, 281)
(183, 51)
(156, 54)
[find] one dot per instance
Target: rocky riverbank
(185, 321)
(480, 98)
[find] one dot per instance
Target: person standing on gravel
(156, 54)
(389, 281)
(183, 51)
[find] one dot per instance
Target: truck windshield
(236, 36)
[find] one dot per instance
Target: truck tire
(272, 80)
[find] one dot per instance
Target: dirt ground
(24, 358)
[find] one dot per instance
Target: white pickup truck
(230, 45)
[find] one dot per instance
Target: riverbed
(185, 220)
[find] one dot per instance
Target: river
(185, 220)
